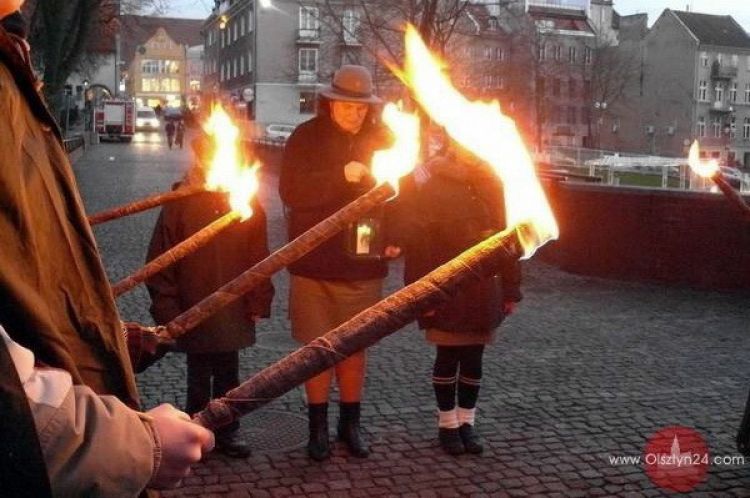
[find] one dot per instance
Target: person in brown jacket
(57, 310)
(458, 203)
(213, 347)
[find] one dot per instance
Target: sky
(739, 9)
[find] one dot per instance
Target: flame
(226, 172)
(706, 169)
(391, 164)
(484, 130)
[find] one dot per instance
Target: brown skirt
(446, 338)
(317, 306)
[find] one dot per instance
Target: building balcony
(308, 36)
(722, 71)
(721, 107)
(307, 78)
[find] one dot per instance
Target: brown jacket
(54, 295)
(187, 282)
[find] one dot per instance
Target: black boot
(348, 430)
(470, 439)
(450, 441)
(318, 446)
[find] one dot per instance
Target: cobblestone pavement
(587, 369)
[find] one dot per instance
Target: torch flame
(226, 172)
(391, 164)
(485, 131)
(706, 169)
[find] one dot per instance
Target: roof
(720, 31)
(137, 30)
(485, 20)
(563, 21)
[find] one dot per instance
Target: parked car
(279, 132)
(146, 119)
(732, 176)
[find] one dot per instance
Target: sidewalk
(587, 369)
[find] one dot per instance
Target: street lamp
(600, 107)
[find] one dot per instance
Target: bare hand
(392, 252)
(355, 172)
(509, 307)
(183, 443)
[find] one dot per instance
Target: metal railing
(74, 143)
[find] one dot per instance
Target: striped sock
(448, 419)
(466, 415)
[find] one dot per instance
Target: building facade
(696, 85)
(154, 58)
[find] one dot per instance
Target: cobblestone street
(586, 370)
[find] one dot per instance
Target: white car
(279, 132)
(145, 119)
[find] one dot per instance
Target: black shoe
(232, 446)
(318, 447)
(450, 441)
(470, 438)
(348, 430)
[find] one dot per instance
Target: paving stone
(586, 368)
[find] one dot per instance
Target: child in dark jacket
(456, 204)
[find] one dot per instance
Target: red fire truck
(115, 118)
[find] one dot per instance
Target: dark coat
(456, 208)
(312, 186)
(55, 297)
(187, 282)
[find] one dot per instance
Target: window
(746, 129)
(701, 131)
(542, 50)
(540, 86)
(719, 92)
(308, 60)
(703, 91)
(351, 23)
(307, 102)
(587, 88)
(747, 93)
(242, 65)
(572, 88)
(308, 22)
(499, 54)
(557, 50)
(733, 126)
(572, 115)
(716, 123)
(588, 55)
(556, 87)
(719, 58)
(572, 54)
(733, 92)
(242, 26)
(250, 19)
(488, 53)
(704, 59)
(735, 60)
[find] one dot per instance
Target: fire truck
(115, 119)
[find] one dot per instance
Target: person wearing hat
(324, 168)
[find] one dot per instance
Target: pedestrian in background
(213, 347)
(456, 204)
(324, 168)
(180, 133)
(170, 129)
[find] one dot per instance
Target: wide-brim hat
(351, 84)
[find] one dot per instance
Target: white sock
(466, 415)
(448, 419)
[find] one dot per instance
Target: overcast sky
(740, 9)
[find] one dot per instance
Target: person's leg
(226, 368)
(350, 375)
(316, 390)
(444, 372)
(198, 382)
(469, 381)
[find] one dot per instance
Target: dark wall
(675, 237)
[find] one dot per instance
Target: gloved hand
(146, 345)
(355, 172)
